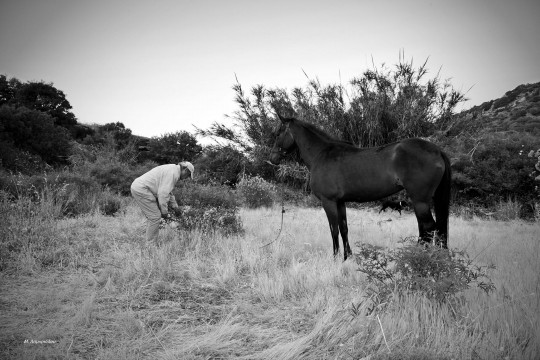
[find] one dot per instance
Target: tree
(43, 97)
(172, 148)
(121, 134)
(8, 89)
(223, 164)
(381, 106)
(33, 132)
(48, 99)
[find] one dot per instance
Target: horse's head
(284, 143)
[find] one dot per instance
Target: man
(152, 192)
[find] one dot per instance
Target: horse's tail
(441, 201)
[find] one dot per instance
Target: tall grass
(260, 295)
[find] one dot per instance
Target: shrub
(507, 210)
(115, 175)
(256, 192)
(109, 203)
(20, 161)
(75, 194)
(207, 208)
(519, 114)
(222, 164)
(209, 219)
(172, 148)
(435, 273)
(35, 133)
(109, 167)
(198, 195)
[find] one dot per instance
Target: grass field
(109, 295)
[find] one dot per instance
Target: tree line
(39, 131)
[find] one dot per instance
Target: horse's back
(365, 174)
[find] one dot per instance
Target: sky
(164, 66)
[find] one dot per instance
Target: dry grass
(204, 297)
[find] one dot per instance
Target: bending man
(152, 192)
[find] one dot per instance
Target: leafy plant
(172, 148)
(256, 192)
(433, 272)
(109, 203)
(209, 219)
(207, 208)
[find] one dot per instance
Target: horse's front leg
(343, 229)
(331, 209)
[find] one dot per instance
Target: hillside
(518, 110)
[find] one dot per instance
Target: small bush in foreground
(435, 273)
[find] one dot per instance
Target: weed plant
(435, 273)
(208, 209)
(256, 192)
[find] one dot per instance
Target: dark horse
(342, 172)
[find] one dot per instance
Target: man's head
(186, 170)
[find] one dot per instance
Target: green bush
(492, 167)
(116, 175)
(207, 208)
(209, 219)
(256, 192)
(19, 161)
(534, 110)
(435, 273)
(75, 194)
(109, 203)
(197, 195)
(33, 132)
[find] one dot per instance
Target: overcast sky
(161, 66)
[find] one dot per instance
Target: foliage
(489, 167)
(19, 161)
(208, 208)
(294, 173)
(32, 132)
(110, 168)
(100, 135)
(38, 96)
(36, 125)
(109, 204)
(209, 220)
(382, 106)
(222, 164)
(256, 192)
(433, 272)
(30, 208)
(73, 194)
(172, 148)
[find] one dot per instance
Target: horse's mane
(321, 133)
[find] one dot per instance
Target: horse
(394, 205)
(342, 172)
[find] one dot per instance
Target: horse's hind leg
(426, 223)
(331, 209)
(343, 229)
